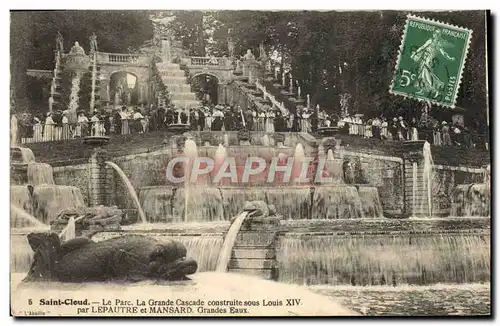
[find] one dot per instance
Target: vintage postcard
(249, 163)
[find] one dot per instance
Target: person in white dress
(385, 126)
(65, 126)
(37, 130)
(97, 125)
(125, 121)
(306, 124)
(261, 120)
(138, 117)
(270, 121)
(82, 125)
(48, 131)
(208, 118)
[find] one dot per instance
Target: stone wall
(77, 176)
(383, 172)
(446, 178)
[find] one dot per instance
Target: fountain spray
(191, 151)
(427, 176)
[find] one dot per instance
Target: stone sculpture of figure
(93, 43)
(262, 53)
(128, 258)
(59, 42)
(118, 96)
(249, 55)
(230, 47)
(77, 49)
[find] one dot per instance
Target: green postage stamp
(431, 60)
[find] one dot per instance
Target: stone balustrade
(130, 58)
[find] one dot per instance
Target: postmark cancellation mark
(431, 59)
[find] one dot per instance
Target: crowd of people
(444, 133)
(125, 120)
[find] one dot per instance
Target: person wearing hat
(65, 125)
(48, 130)
(270, 116)
(217, 120)
(402, 132)
(436, 128)
(117, 122)
(445, 131)
(394, 129)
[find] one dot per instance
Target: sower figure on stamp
(426, 58)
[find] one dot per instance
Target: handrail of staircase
(123, 57)
(209, 61)
(273, 100)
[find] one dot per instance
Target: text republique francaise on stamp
(431, 59)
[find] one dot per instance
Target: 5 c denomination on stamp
(431, 60)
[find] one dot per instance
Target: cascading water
(50, 200)
(292, 203)
(370, 202)
(13, 131)
(298, 158)
(422, 184)
(336, 202)
(201, 203)
(233, 199)
(73, 97)
(204, 249)
(40, 173)
(191, 152)
(130, 189)
(157, 203)
(27, 155)
(220, 156)
(20, 196)
(383, 259)
(21, 223)
(229, 241)
(334, 168)
(473, 199)
(265, 141)
(428, 175)
(20, 218)
(69, 232)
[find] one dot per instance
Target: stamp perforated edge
(400, 53)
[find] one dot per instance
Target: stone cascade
(33, 189)
(254, 252)
(415, 192)
(177, 85)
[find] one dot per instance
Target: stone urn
(329, 143)
(180, 142)
(279, 139)
(244, 137)
(206, 138)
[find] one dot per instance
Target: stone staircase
(291, 100)
(177, 85)
(254, 252)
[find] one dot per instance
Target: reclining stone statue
(127, 258)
